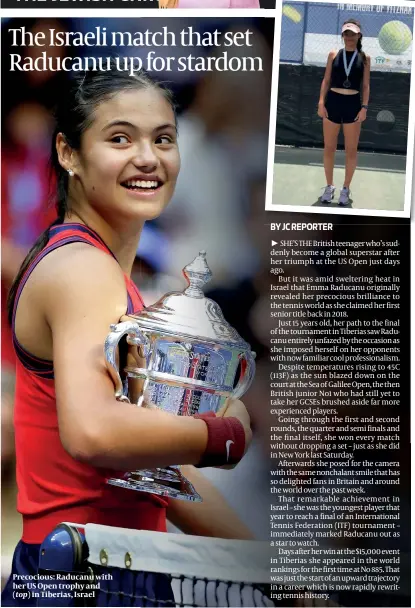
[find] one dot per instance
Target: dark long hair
(74, 114)
(359, 42)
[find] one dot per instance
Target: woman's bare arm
(325, 85)
(366, 82)
(361, 117)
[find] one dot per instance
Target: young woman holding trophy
(116, 160)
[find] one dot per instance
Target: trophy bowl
(183, 358)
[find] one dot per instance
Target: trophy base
(163, 482)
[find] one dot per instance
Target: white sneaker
(344, 198)
(328, 194)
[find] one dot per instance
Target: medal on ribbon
(347, 68)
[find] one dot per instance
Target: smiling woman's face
(128, 162)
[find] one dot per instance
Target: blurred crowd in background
(223, 138)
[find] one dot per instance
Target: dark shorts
(25, 564)
(342, 108)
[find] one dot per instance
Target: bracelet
(226, 441)
(365, 106)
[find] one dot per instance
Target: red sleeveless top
(52, 486)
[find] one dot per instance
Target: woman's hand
(361, 117)
(321, 110)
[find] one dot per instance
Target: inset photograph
(344, 132)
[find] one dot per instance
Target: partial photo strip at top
(136, 4)
(301, 141)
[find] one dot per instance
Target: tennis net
(107, 566)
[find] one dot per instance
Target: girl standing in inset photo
(344, 99)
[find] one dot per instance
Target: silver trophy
(184, 358)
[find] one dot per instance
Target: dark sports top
(338, 75)
(52, 486)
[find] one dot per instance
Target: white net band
(191, 556)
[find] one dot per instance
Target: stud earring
(71, 173)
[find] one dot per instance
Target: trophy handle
(247, 360)
(135, 337)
